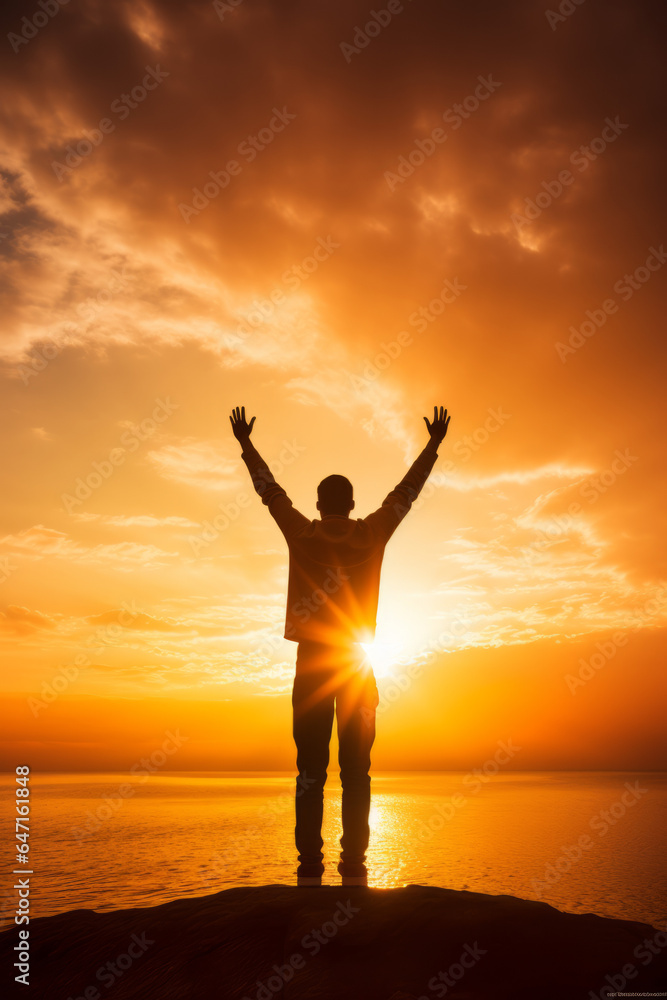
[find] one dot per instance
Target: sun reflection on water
(193, 834)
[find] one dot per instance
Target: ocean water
(582, 841)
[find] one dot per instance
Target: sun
(385, 653)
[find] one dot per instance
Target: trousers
(332, 679)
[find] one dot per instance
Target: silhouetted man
(332, 599)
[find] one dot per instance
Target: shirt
(335, 561)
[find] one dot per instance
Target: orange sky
(458, 206)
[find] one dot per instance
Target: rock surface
(413, 943)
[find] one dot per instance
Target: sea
(584, 842)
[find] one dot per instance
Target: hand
(242, 429)
(438, 428)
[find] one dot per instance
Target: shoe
(354, 880)
(353, 874)
(309, 873)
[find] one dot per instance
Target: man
(332, 599)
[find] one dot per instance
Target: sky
(336, 215)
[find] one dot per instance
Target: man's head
(334, 496)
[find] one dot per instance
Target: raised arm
(261, 475)
(396, 504)
(273, 495)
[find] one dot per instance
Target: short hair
(335, 495)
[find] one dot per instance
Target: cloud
(181, 672)
(136, 520)
(196, 463)
(463, 483)
(40, 542)
(134, 620)
(112, 300)
(23, 620)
